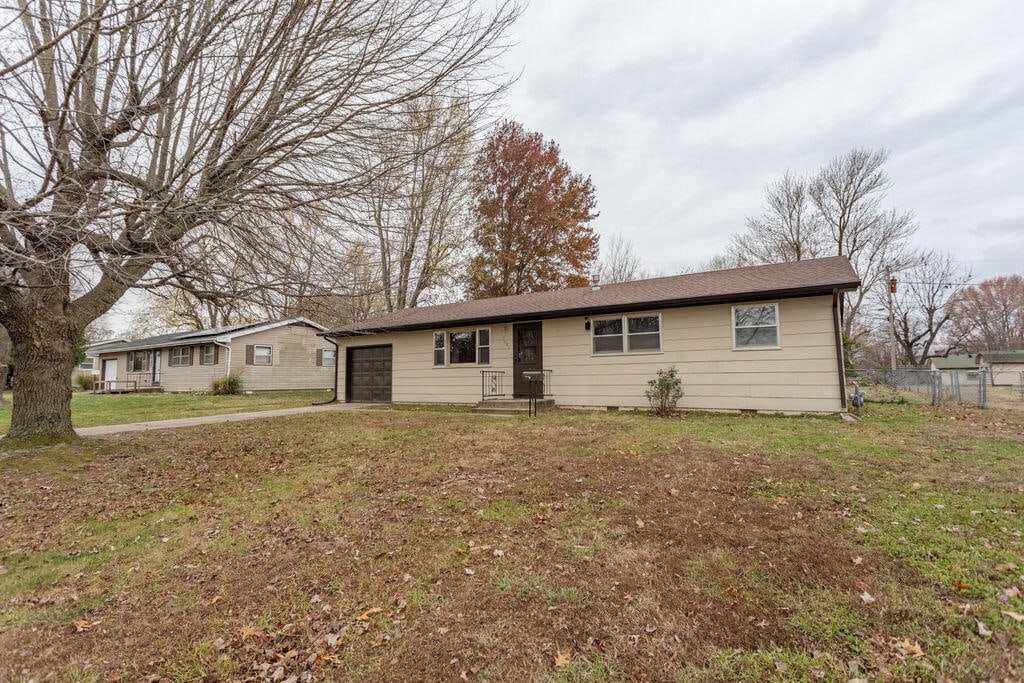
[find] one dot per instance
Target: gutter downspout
(836, 295)
(227, 346)
(334, 397)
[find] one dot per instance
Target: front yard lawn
(90, 410)
(418, 545)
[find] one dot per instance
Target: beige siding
(294, 360)
(800, 376)
(294, 363)
(1006, 373)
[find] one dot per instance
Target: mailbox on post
(535, 378)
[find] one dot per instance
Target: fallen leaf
(250, 632)
(1013, 615)
(857, 560)
(961, 586)
(83, 625)
(215, 600)
(867, 598)
(562, 659)
(1005, 566)
(469, 572)
(365, 616)
(984, 631)
(907, 648)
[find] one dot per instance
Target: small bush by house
(664, 391)
(227, 386)
(86, 381)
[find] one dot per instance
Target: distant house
(269, 355)
(91, 363)
(761, 338)
(1006, 367)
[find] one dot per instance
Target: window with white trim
(209, 355)
(756, 326)
(462, 347)
(483, 346)
(439, 348)
(627, 334)
(263, 355)
(88, 363)
(138, 361)
(329, 358)
(181, 355)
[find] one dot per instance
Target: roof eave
(785, 293)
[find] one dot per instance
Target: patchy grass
(581, 546)
(90, 410)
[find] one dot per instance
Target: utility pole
(892, 319)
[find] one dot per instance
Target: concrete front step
(517, 406)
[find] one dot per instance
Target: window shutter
(250, 354)
(216, 354)
(190, 355)
(319, 358)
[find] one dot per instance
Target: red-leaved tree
(533, 217)
(990, 315)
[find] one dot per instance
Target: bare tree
(5, 359)
(130, 135)
(788, 228)
(989, 316)
(848, 194)
(417, 212)
(619, 261)
(922, 307)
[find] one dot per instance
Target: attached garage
(368, 374)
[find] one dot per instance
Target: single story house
(1005, 367)
(269, 355)
(91, 362)
(763, 338)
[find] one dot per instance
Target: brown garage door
(368, 374)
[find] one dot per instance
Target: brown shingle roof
(779, 280)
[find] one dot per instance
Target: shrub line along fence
(957, 386)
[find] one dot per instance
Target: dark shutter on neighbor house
(319, 358)
(216, 354)
(190, 355)
(250, 354)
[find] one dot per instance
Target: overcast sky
(682, 111)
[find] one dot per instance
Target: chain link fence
(970, 387)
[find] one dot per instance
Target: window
(608, 335)
(462, 347)
(439, 348)
(329, 357)
(644, 332)
(630, 333)
(181, 355)
(88, 363)
(756, 326)
(209, 355)
(483, 347)
(263, 355)
(138, 361)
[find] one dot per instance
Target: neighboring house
(758, 338)
(91, 362)
(1006, 367)
(283, 354)
(964, 361)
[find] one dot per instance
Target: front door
(526, 355)
(110, 373)
(156, 367)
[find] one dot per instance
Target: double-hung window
(209, 355)
(439, 348)
(263, 355)
(627, 334)
(329, 358)
(181, 355)
(756, 326)
(88, 363)
(483, 347)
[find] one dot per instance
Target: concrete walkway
(104, 430)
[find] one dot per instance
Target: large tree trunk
(44, 354)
